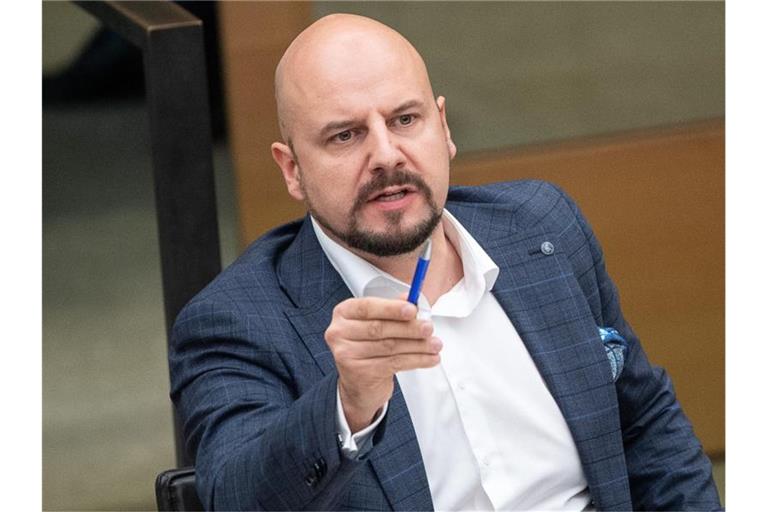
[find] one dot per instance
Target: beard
(394, 240)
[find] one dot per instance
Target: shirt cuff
(356, 446)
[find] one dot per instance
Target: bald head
(339, 49)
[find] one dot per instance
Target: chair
(175, 490)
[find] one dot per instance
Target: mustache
(383, 180)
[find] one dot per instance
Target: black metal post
(171, 40)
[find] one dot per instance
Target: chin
(393, 240)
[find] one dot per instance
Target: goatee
(394, 240)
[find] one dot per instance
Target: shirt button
(461, 386)
(547, 248)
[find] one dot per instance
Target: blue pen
(421, 272)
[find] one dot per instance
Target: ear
(285, 159)
(444, 122)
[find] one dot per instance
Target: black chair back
(175, 491)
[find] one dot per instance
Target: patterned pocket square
(615, 348)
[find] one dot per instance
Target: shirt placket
(461, 369)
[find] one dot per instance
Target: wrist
(360, 409)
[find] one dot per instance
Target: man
(305, 381)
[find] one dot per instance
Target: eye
(406, 119)
(343, 136)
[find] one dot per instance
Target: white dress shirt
(490, 433)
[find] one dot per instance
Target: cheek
(334, 185)
(431, 159)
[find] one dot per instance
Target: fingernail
(437, 343)
(408, 311)
(426, 328)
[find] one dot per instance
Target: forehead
(352, 74)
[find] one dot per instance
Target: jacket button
(319, 466)
(547, 248)
(318, 470)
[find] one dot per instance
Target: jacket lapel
(315, 288)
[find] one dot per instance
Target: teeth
(391, 197)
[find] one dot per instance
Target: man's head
(366, 145)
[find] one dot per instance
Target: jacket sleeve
(666, 465)
(258, 444)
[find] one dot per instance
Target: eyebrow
(408, 105)
(334, 126)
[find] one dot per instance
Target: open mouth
(391, 194)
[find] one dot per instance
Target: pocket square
(615, 348)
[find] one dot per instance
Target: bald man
(306, 381)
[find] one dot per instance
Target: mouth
(391, 194)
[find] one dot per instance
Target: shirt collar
(364, 279)
(480, 271)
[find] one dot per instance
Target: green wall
(521, 72)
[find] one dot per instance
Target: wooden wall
(254, 36)
(656, 200)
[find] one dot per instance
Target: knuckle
(341, 309)
(375, 328)
(332, 333)
(362, 309)
(389, 345)
(340, 353)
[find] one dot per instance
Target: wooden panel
(254, 36)
(656, 201)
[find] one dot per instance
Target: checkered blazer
(255, 382)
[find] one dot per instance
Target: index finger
(375, 308)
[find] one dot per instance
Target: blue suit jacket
(255, 382)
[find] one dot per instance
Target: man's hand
(372, 339)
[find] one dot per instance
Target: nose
(385, 151)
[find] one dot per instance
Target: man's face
(371, 149)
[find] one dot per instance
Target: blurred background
(622, 103)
